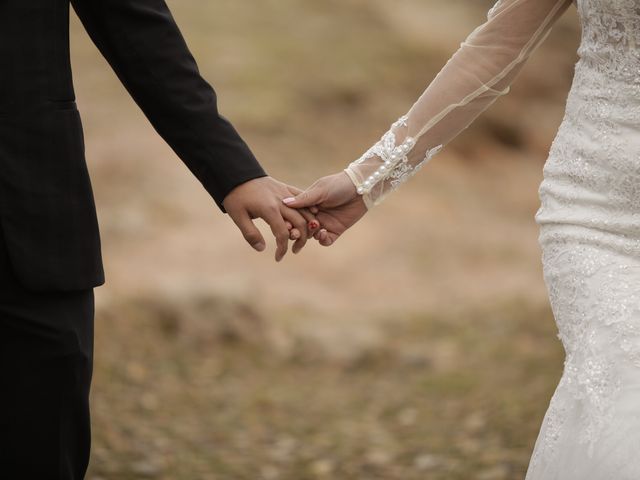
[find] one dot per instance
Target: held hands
(262, 198)
(331, 202)
(336, 204)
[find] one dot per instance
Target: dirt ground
(420, 346)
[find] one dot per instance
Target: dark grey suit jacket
(47, 210)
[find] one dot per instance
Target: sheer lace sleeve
(478, 73)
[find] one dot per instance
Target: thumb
(308, 198)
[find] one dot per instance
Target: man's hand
(338, 206)
(262, 198)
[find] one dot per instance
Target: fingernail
(288, 200)
(259, 246)
(313, 224)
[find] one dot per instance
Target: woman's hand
(338, 206)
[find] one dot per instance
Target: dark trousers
(46, 359)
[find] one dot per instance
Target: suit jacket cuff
(220, 184)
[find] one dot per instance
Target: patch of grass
(176, 407)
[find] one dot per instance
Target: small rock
(149, 401)
(499, 472)
(269, 472)
(408, 417)
(283, 448)
(146, 469)
(136, 371)
(378, 457)
(426, 461)
(323, 467)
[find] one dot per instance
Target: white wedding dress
(589, 216)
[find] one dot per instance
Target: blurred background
(420, 346)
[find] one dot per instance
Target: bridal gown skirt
(589, 222)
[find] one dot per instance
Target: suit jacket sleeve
(142, 43)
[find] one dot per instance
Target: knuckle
(282, 237)
(251, 236)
